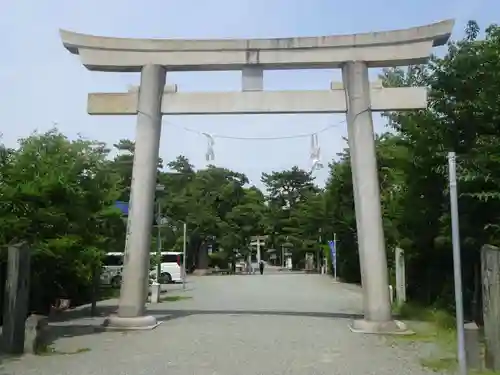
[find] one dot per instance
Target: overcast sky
(42, 83)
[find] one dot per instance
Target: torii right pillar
(371, 242)
(370, 232)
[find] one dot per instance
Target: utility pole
(457, 268)
(156, 285)
(159, 188)
(335, 256)
(158, 243)
(318, 262)
(184, 237)
(283, 253)
(258, 250)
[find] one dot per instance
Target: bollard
(472, 346)
(155, 292)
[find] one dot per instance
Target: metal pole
(258, 249)
(158, 243)
(184, 227)
(335, 258)
(457, 268)
(319, 252)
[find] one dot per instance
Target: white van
(112, 271)
(171, 268)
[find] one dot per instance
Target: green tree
(58, 195)
(462, 115)
(288, 192)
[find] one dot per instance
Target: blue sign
(333, 250)
(122, 206)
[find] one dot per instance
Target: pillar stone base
(136, 323)
(392, 327)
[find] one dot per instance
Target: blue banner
(332, 248)
(333, 251)
(122, 206)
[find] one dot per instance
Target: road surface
(278, 323)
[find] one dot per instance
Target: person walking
(261, 267)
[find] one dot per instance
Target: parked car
(112, 270)
(171, 267)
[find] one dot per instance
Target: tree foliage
(462, 116)
(58, 194)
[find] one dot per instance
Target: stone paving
(278, 323)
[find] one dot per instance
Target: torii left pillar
(131, 308)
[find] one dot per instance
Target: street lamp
(159, 188)
(184, 241)
(184, 236)
(162, 221)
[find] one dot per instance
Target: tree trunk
(202, 266)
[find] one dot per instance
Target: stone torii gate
(354, 54)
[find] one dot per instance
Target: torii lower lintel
(258, 102)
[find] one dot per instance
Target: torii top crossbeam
(377, 49)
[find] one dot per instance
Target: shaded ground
(278, 323)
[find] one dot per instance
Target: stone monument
(16, 299)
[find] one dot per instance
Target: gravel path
(278, 323)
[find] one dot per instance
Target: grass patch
(49, 350)
(429, 333)
(432, 327)
(436, 327)
(445, 364)
(440, 318)
(174, 298)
